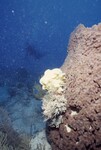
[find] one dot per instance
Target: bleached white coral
(54, 102)
(53, 105)
(53, 80)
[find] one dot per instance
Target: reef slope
(81, 127)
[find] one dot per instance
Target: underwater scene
(50, 74)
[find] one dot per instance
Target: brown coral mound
(81, 127)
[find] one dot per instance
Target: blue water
(44, 25)
(34, 36)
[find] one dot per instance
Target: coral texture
(53, 80)
(53, 105)
(81, 126)
(54, 102)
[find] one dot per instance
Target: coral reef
(81, 126)
(38, 92)
(39, 141)
(53, 108)
(9, 138)
(54, 102)
(53, 80)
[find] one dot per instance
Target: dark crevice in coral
(75, 108)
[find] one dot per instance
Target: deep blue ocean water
(34, 33)
(34, 36)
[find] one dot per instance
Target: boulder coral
(81, 123)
